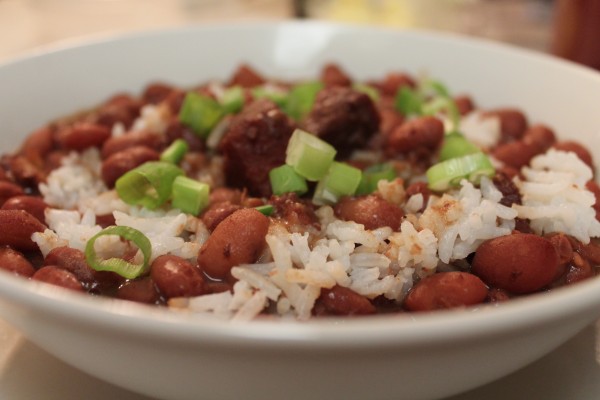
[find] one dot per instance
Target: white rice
(555, 198)
(298, 266)
(483, 131)
(77, 179)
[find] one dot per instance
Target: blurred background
(569, 28)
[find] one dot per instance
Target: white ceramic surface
(170, 356)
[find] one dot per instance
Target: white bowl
(169, 356)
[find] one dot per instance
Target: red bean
(593, 187)
(72, 260)
(519, 263)
(564, 249)
(510, 192)
(246, 77)
(26, 173)
(176, 277)
(140, 290)
(216, 213)
(157, 92)
(513, 123)
(497, 295)
(59, 277)
(37, 146)
(17, 228)
(579, 270)
(333, 75)
(238, 239)
(217, 195)
(422, 134)
(15, 262)
(8, 190)
(540, 136)
(35, 206)
(82, 135)
(120, 108)
(581, 152)
(341, 300)
(464, 104)
(446, 290)
(131, 139)
(394, 81)
(390, 120)
(123, 161)
(516, 154)
(372, 211)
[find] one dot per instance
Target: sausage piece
(343, 117)
(255, 143)
(238, 239)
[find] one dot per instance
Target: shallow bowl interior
(177, 356)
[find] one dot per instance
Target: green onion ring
(118, 265)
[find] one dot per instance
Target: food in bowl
(259, 197)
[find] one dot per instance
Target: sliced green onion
(429, 87)
(285, 180)
(442, 105)
(341, 180)
(277, 97)
(267, 209)
(372, 175)
(301, 99)
(118, 265)
(148, 185)
(408, 101)
(449, 173)
(456, 145)
(232, 99)
(189, 195)
(175, 152)
(310, 156)
(369, 90)
(200, 113)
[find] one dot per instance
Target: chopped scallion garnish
(449, 173)
(189, 195)
(301, 99)
(266, 209)
(310, 156)
(148, 185)
(200, 113)
(276, 96)
(232, 99)
(341, 180)
(372, 175)
(118, 265)
(175, 152)
(285, 180)
(456, 145)
(408, 101)
(369, 90)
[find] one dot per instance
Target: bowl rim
(331, 333)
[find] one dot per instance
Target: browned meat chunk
(343, 117)
(254, 144)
